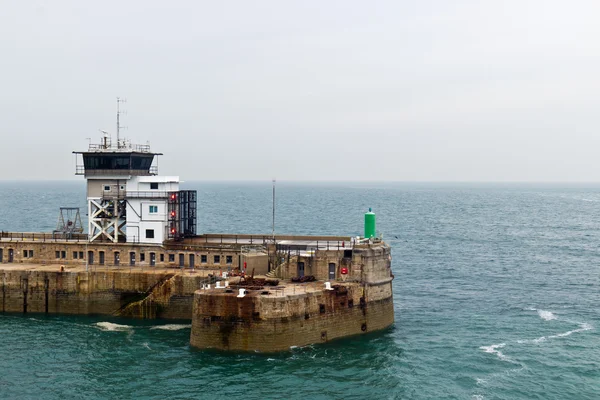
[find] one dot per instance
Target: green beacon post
(369, 224)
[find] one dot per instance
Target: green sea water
(496, 297)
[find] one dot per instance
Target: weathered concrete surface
(133, 292)
(269, 320)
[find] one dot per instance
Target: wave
(493, 349)
(582, 328)
(546, 315)
(110, 327)
(171, 327)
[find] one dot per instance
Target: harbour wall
(264, 321)
(108, 292)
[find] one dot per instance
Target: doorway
(101, 257)
(181, 260)
(331, 271)
(132, 258)
(300, 269)
(1, 255)
(192, 259)
(117, 258)
(152, 259)
(90, 257)
(11, 255)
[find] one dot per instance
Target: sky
(428, 90)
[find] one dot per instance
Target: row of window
(80, 255)
(153, 186)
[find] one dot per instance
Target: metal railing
(147, 194)
(43, 237)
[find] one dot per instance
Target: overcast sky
(307, 90)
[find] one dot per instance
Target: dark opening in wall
(322, 308)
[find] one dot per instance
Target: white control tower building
(128, 201)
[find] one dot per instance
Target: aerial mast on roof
(119, 101)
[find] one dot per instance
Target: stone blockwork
(44, 250)
(300, 314)
(263, 322)
(363, 262)
(111, 292)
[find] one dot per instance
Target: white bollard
(226, 283)
(242, 293)
(328, 286)
(218, 286)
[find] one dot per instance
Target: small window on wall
(57, 253)
(106, 188)
(217, 259)
(154, 185)
(203, 258)
(81, 255)
(142, 257)
(75, 255)
(149, 233)
(162, 258)
(171, 257)
(229, 259)
(153, 209)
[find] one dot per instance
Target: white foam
(546, 315)
(109, 326)
(146, 345)
(493, 349)
(172, 327)
(477, 397)
(583, 327)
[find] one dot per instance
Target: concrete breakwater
(322, 291)
(109, 291)
(275, 320)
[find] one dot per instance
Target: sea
(496, 295)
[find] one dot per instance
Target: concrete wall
(366, 263)
(102, 292)
(45, 251)
(261, 323)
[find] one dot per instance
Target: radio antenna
(119, 127)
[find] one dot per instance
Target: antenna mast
(273, 209)
(119, 101)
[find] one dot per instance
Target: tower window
(149, 233)
(153, 209)
(154, 185)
